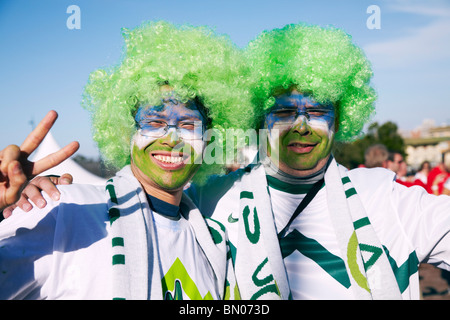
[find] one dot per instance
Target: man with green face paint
(300, 132)
(300, 225)
(163, 159)
(140, 236)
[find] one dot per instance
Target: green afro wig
(319, 61)
(194, 61)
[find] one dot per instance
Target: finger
(9, 154)
(34, 139)
(22, 203)
(33, 190)
(66, 178)
(54, 159)
(17, 181)
(8, 211)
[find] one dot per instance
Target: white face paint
(140, 140)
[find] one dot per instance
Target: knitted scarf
(260, 271)
(135, 259)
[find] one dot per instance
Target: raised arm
(15, 168)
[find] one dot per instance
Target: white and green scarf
(135, 259)
(259, 265)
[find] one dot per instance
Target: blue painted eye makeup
(289, 108)
(156, 121)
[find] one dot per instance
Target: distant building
(439, 132)
(428, 143)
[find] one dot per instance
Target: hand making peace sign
(15, 168)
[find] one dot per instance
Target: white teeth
(168, 159)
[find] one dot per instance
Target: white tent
(80, 175)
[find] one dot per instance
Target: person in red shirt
(436, 179)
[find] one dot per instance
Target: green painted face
(161, 173)
(167, 161)
(301, 133)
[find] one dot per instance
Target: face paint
(167, 160)
(301, 131)
(174, 119)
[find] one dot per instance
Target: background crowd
(435, 179)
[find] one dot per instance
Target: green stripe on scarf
(350, 192)
(361, 223)
(117, 241)
(118, 259)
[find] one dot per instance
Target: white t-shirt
(186, 273)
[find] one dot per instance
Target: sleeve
(26, 246)
(426, 221)
(447, 184)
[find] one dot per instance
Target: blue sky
(44, 65)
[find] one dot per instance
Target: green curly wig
(194, 61)
(319, 61)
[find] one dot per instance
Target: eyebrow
(191, 116)
(156, 113)
(292, 106)
(290, 102)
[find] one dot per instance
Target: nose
(301, 125)
(172, 138)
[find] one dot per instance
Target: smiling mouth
(299, 147)
(170, 160)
